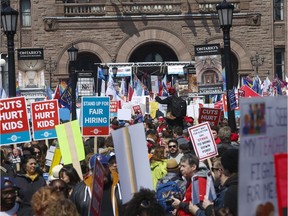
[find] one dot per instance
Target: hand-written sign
(263, 134)
(203, 141)
(45, 117)
(209, 115)
(14, 121)
(96, 116)
(114, 106)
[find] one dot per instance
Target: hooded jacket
(158, 170)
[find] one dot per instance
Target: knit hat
(7, 182)
(55, 172)
(171, 91)
(172, 165)
(229, 160)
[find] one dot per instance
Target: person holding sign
(191, 169)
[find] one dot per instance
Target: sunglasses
(215, 169)
(174, 146)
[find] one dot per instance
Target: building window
(279, 62)
(25, 13)
(278, 10)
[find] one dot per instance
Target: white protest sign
(203, 141)
(124, 114)
(132, 160)
(263, 133)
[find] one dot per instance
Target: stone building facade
(119, 31)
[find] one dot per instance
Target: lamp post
(225, 15)
(257, 61)
(72, 52)
(50, 66)
(9, 18)
(114, 71)
(105, 69)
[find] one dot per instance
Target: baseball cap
(102, 158)
(7, 182)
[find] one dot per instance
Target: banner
(14, 121)
(263, 134)
(96, 116)
(45, 117)
(208, 68)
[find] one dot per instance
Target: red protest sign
(45, 117)
(44, 114)
(137, 108)
(114, 106)
(280, 162)
(210, 115)
(97, 191)
(13, 115)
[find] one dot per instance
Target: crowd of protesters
(27, 190)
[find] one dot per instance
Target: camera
(169, 202)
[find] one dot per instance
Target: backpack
(178, 107)
(164, 193)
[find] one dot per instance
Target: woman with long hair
(158, 163)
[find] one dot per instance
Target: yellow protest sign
(71, 144)
(153, 109)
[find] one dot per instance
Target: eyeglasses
(215, 169)
(173, 146)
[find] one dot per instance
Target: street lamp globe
(72, 53)
(225, 14)
(9, 18)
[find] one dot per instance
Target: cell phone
(169, 202)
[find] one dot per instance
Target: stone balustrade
(139, 8)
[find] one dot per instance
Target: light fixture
(72, 53)
(114, 71)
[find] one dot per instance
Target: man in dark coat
(177, 121)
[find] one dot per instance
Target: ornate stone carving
(50, 24)
(253, 20)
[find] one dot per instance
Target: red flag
(248, 92)
(130, 92)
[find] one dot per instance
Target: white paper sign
(203, 141)
(124, 114)
(263, 133)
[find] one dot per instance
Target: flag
(2, 93)
(139, 89)
(57, 93)
(257, 85)
(130, 90)
(163, 91)
(18, 93)
(247, 81)
(123, 89)
(111, 88)
(266, 85)
(100, 74)
(66, 97)
(62, 86)
(48, 91)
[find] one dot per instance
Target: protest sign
(96, 116)
(45, 117)
(14, 121)
(137, 108)
(71, 144)
(281, 168)
(263, 134)
(97, 191)
(114, 106)
(132, 162)
(210, 115)
(203, 141)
